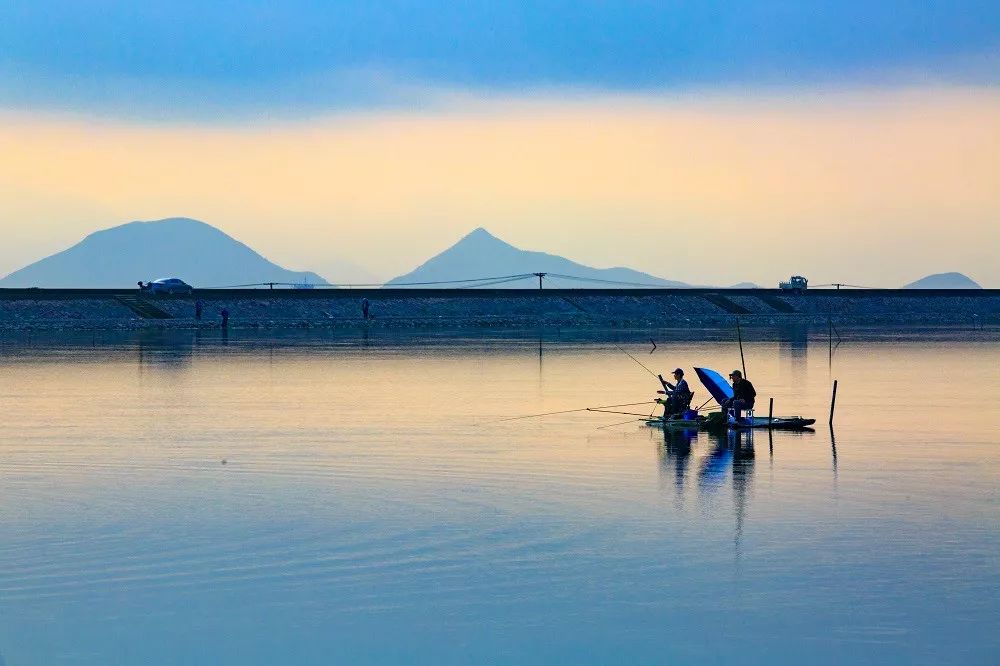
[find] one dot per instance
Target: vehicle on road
(170, 286)
(796, 283)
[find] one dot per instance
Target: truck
(796, 284)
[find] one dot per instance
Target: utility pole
(540, 276)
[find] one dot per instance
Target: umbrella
(716, 385)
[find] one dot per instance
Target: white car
(170, 286)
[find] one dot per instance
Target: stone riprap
(404, 308)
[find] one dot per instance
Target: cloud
(184, 60)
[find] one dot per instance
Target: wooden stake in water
(833, 401)
(770, 412)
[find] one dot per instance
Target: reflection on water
(370, 490)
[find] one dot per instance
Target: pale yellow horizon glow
(872, 187)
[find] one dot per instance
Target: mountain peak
(479, 254)
(952, 280)
(177, 246)
(479, 235)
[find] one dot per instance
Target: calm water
(173, 500)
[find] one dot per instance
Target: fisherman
(744, 394)
(678, 395)
(225, 319)
(199, 307)
(364, 308)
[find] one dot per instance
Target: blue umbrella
(716, 385)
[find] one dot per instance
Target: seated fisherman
(744, 394)
(678, 395)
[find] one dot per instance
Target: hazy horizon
(707, 144)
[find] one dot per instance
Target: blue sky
(221, 58)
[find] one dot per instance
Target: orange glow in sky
(874, 187)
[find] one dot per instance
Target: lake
(309, 498)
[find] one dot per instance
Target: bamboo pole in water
(833, 401)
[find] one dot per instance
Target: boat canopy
(716, 384)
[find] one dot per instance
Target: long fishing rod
(637, 361)
(570, 411)
(710, 399)
(619, 347)
(739, 336)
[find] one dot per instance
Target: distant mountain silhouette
(481, 254)
(196, 252)
(944, 281)
(744, 285)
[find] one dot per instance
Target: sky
(710, 142)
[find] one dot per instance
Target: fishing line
(569, 411)
(607, 411)
(612, 425)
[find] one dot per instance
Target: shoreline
(455, 309)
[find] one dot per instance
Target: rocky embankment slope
(31, 309)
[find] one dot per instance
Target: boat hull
(717, 423)
(777, 423)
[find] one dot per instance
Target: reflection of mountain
(118, 257)
(944, 281)
(481, 254)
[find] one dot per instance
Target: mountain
(744, 285)
(196, 252)
(481, 254)
(944, 281)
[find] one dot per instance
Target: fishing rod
(710, 399)
(636, 360)
(617, 346)
(739, 336)
(570, 411)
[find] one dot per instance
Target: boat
(658, 422)
(721, 391)
(776, 423)
(719, 421)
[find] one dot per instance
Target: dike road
(406, 308)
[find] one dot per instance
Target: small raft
(694, 423)
(776, 423)
(717, 421)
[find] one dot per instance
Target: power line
(375, 284)
(600, 280)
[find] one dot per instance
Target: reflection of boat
(715, 466)
(676, 452)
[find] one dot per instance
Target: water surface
(173, 498)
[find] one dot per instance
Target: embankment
(105, 309)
